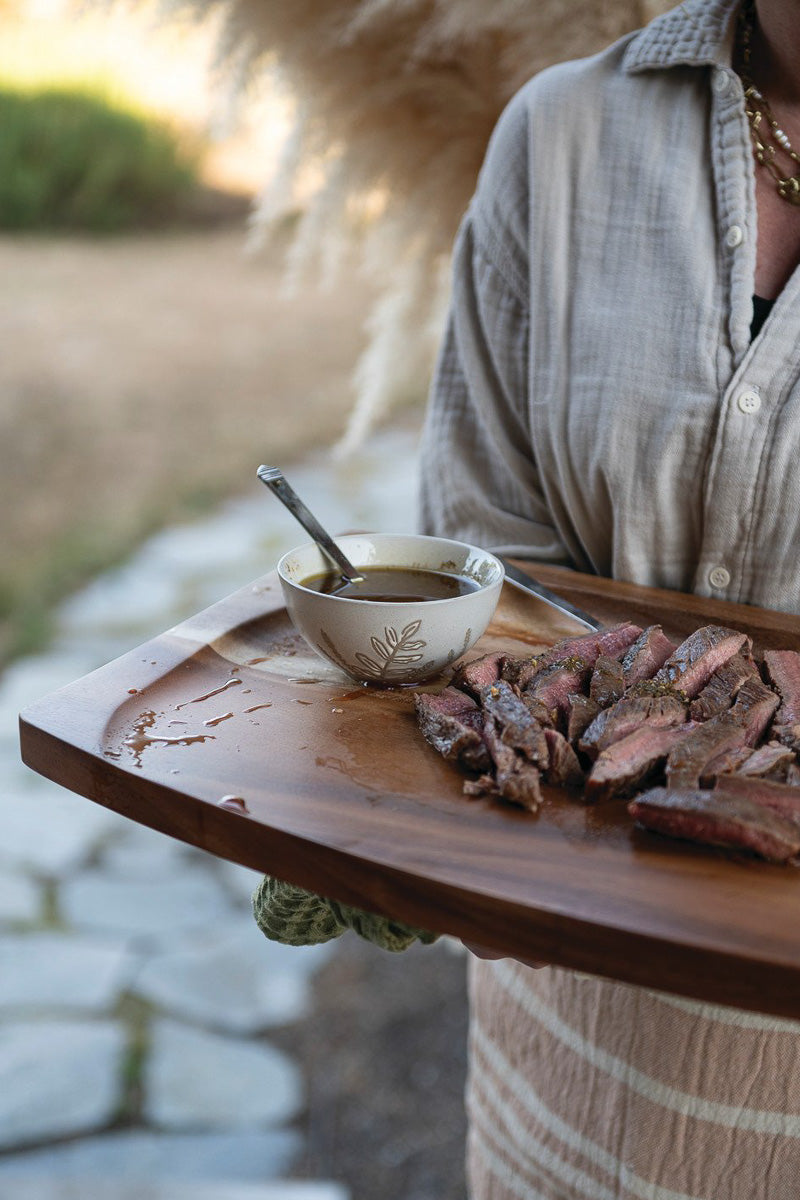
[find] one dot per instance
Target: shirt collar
(697, 33)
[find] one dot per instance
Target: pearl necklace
(765, 132)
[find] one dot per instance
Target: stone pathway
(136, 993)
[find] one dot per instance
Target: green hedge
(73, 160)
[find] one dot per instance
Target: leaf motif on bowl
(397, 651)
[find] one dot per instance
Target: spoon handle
(274, 479)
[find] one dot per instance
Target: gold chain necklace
(765, 132)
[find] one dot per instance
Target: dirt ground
(141, 379)
(384, 1059)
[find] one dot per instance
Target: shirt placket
(738, 439)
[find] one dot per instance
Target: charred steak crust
(514, 722)
(516, 778)
(608, 681)
(453, 724)
(646, 655)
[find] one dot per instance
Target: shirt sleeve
(479, 476)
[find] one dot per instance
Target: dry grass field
(141, 379)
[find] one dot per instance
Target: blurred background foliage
(74, 159)
(149, 362)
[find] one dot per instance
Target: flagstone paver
(46, 829)
(239, 983)
(194, 1079)
(187, 898)
(108, 1189)
(20, 898)
(48, 970)
(58, 1078)
(142, 1155)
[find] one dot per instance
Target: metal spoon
(274, 479)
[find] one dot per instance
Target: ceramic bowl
(392, 643)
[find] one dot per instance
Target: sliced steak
(554, 684)
(626, 716)
(726, 763)
(789, 735)
(688, 762)
(783, 672)
(608, 681)
(620, 769)
(713, 819)
(473, 676)
(514, 722)
(453, 724)
(780, 797)
(754, 708)
(696, 659)
(646, 655)
(516, 779)
(582, 711)
(767, 759)
(563, 769)
(722, 688)
(587, 647)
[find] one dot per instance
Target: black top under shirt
(761, 310)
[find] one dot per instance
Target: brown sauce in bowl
(394, 585)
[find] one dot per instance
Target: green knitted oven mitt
(289, 914)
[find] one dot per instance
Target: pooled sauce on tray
(394, 585)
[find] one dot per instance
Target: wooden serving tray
(334, 788)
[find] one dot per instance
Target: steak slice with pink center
(770, 757)
(587, 647)
(688, 761)
(735, 822)
(754, 707)
(563, 769)
(783, 671)
(722, 688)
(620, 769)
(474, 676)
(626, 716)
(780, 797)
(695, 661)
(646, 655)
(553, 686)
(453, 724)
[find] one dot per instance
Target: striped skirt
(581, 1089)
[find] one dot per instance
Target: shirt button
(721, 82)
(749, 401)
(734, 236)
(718, 577)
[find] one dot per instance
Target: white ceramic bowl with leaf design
(388, 643)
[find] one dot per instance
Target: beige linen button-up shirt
(598, 400)
(599, 403)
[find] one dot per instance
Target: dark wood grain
(335, 790)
